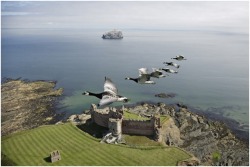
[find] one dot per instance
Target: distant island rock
(113, 35)
(164, 95)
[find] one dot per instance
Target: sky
(232, 16)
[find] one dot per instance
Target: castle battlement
(113, 119)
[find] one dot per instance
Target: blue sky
(227, 16)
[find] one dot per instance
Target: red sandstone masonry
(138, 127)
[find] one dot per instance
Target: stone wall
(137, 127)
(100, 119)
(101, 116)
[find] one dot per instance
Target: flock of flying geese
(110, 93)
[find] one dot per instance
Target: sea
(214, 79)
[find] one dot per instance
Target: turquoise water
(214, 78)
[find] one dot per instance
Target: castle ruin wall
(106, 117)
(137, 127)
(100, 119)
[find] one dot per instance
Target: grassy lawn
(163, 119)
(78, 148)
(128, 115)
(133, 140)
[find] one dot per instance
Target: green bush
(216, 156)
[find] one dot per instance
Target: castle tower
(93, 108)
(115, 127)
(157, 127)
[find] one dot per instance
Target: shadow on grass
(93, 129)
(6, 161)
(47, 159)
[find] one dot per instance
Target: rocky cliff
(211, 142)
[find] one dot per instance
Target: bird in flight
(179, 57)
(109, 95)
(144, 77)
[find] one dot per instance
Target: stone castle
(112, 118)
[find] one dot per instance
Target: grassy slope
(33, 147)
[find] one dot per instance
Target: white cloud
(222, 16)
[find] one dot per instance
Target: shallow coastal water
(214, 79)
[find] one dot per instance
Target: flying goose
(179, 57)
(157, 73)
(171, 64)
(144, 77)
(109, 95)
(169, 70)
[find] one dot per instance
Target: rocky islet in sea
(115, 34)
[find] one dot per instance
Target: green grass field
(128, 115)
(78, 148)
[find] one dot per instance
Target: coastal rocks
(113, 35)
(203, 138)
(164, 95)
(79, 118)
(189, 162)
(171, 133)
(27, 104)
(211, 142)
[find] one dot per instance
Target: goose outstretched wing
(110, 87)
(154, 69)
(157, 71)
(107, 99)
(143, 71)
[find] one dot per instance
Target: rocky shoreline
(27, 104)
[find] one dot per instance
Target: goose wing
(143, 71)
(180, 56)
(155, 69)
(110, 87)
(156, 72)
(107, 99)
(143, 78)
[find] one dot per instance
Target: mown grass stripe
(37, 140)
(103, 155)
(79, 148)
(19, 152)
(28, 150)
(45, 141)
